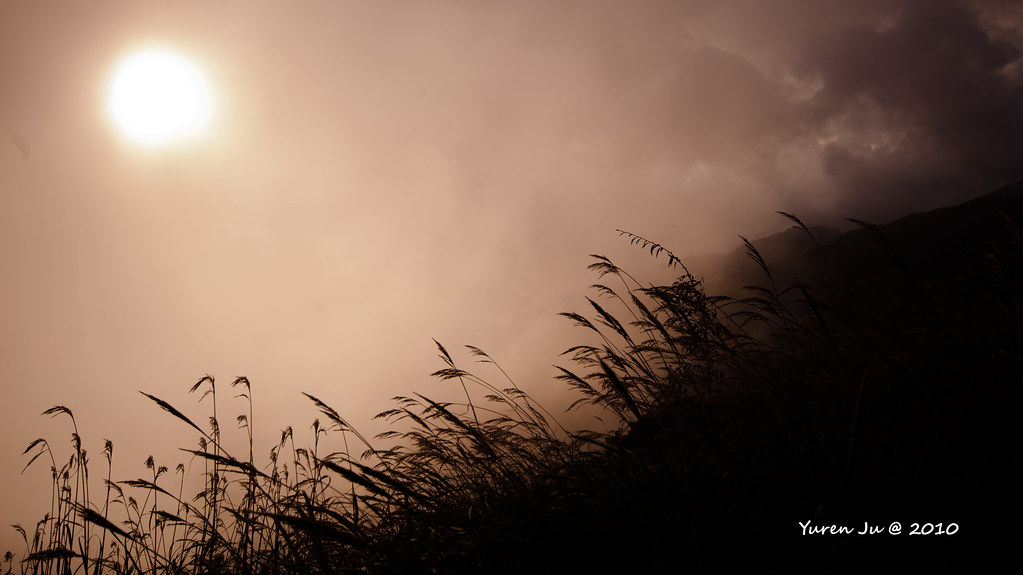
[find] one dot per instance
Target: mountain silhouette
(951, 243)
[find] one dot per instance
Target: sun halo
(157, 97)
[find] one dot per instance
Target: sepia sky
(377, 174)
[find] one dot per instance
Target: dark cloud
(917, 110)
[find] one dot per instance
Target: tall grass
(726, 421)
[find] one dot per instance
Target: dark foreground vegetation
(872, 380)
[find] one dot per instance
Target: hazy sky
(380, 173)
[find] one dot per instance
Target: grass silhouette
(729, 422)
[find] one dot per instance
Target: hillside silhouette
(951, 242)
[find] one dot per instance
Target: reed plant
(725, 421)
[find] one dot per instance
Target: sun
(157, 97)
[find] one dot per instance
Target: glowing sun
(157, 97)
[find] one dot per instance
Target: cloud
(917, 109)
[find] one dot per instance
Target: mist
(382, 174)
